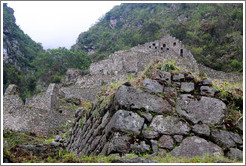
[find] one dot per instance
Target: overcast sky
(58, 23)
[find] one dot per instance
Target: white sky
(58, 23)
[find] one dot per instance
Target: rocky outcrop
(139, 120)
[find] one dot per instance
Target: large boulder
(196, 147)
(141, 147)
(206, 110)
(207, 91)
(226, 138)
(152, 85)
(187, 86)
(119, 143)
(235, 154)
(162, 77)
(133, 98)
(201, 129)
(166, 141)
(125, 121)
(170, 125)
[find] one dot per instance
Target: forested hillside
(19, 50)
(213, 32)
(27, 65)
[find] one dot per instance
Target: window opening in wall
(167, 48)
(161, 48)
(153, 44)
(155, 47)
(181, 52)
(174, 44)
(149, 46)
(164, 45)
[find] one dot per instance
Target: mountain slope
(213, 32)
(19, 50)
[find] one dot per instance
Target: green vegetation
(51, 65)
(30, 64)
(213, 32)
(65, 157)
(17, 70)
(14, 138)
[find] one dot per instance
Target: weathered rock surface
(207, 91)
(207, 82)
(154, 146)
(195, 146)
(202, 129)
(178, 138)
(141, 147)
(162, 77)
(235, 154)
(131, 98)
(178, 77)
(48, 100)
(152, 86)
(206, 110)
(170, 92)
(240, 124)
(169, 125)
(125, 121)
(187, 86)
(225, 138)
(38, 115)
(150, 134)
(166, 141)
(147, 116)
(119, 144)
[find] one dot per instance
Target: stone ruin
(123, 63)
(133, 120)
(38, 115)
(86, 84)
(187, 121)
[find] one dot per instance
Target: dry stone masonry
(170, 113)
(38, 115)
(123, 63)
(142, 121)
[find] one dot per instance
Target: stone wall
(39, 115)
(171, 114)
(123, 63)
(48, 100)
(220, 75)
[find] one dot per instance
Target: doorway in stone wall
(181, 52)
